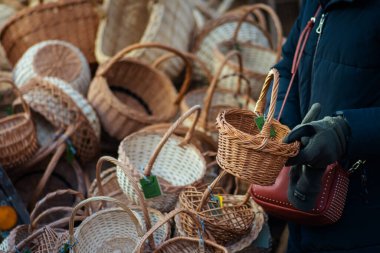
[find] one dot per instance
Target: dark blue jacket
(340, 69)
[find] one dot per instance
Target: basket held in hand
(246, 152)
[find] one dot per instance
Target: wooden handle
(275, 19)
(195, 109)
(123, 52)
(127, 172)
(102, 198)
(210, 91)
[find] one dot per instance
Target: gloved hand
(322, 142)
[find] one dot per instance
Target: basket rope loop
(260, 105)
(140, 247)
(127, 172)
(102, 198)
(275, 19)
(195, 109)
(18, 93)
(120, 55)
(210, 91)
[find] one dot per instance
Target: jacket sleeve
(365, 132)
(291, 113)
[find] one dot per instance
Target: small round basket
(63, 107)
(254, 155)
(74, 21)
(182, 244)
(149, 216)
(108, 230)
(213, 99)
(18, 136)
(175, 161)
(257, 59)
(145, 21)
(129, 95)
(54, 58)
(226, 221)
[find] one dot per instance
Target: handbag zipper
(319, 32)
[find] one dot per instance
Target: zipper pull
(321, 22)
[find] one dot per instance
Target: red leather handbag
(329, 205)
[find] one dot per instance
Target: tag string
(298, 55)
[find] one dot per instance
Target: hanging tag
(70, 151)
(272, 132)
(220, 200)
(150, 187)
(9, 110)
(259, 122)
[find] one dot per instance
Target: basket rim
(101, 79)
(166, 185)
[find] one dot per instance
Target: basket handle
(275, 19)
(202, 65)
(123, 52)
(210, 91)
(102, 198)
(260, 105)
(19, 95)
(137, 190)
(52, 210)
(50, 196)
(195, 109)
(167, 218)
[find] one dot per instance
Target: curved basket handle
(260, 105)
(276, 22)
(123, 52)
(52, 210)
(210, 91)
(18, 93)
(50, 196)
(137, 190)
(140, 247)
(102, 198)
(192, 57)
(195, 109)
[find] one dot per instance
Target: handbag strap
(298, 55)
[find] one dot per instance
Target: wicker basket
(74, 21)
(54, 58)
(175, 161)
(6, 11)
(225, 224)
(63, 107)
(257, 59)
(244, 242)
(129, 94)
(182, 244)
(148, 215)
(17, 133)
(128, 22)
(108, 230)
(247, 153)
(213, 100)
(52, 216)
(222, 29)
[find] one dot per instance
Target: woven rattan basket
(257, 59)
(174, 160)
(44, 214)
(149, 216)
(248, 153)
(74, 21)
(222, 29)
(213, 99)
(57, 59)
(18, 136)
(6, 11)
(129, 94)
(108, 230)
(227, 223)
(128, 22)
(182, 244)
(63, 107)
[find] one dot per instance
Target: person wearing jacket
(340, 70)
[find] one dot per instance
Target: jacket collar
(327, 3)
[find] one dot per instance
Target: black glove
(323, 141)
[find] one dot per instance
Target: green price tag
(260, 123)
(70, 152)
(151, 187)
(9, 110)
